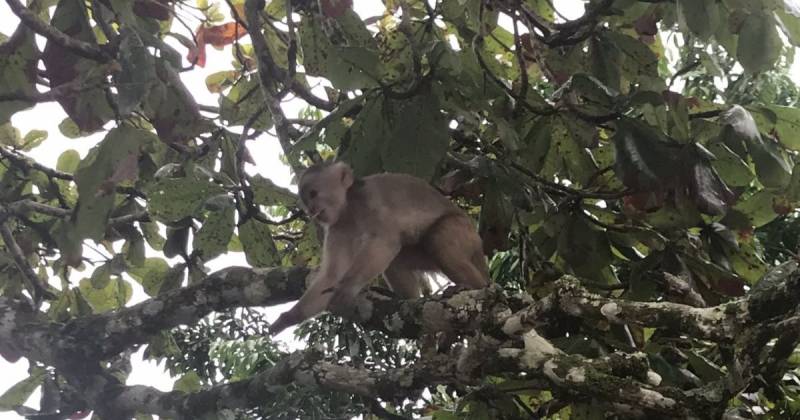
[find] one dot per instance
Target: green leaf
(782, 121)
(569, 139)
(772, 168)
(171, 108)
(585, 248)
(9, 135)
(242, 102)
(33, 139)
(348, 70)
(151, 274)
(366, 133)
(68, 161)
(172, 199)
(101, 276)
(216, 82)
(18, 73)
(417, 136)
(173, 279)
(135, 249)
(634, 58)
(89, 107)
(213, 237)
(259, 248)
(759, 44)
(115, 294)
(152, 236)
(397, 57)
(188, 383)
(733, 170)
(643, 159)
(748, 262)
(701, 16)
(266, 193)
(758, 208)
(790, 25)
(70, 130)
(22, 390)
(707, 370)
(137, 71)
(95, 177)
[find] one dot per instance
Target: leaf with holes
(213, 237)
(94, 177)
(259, 248)
(172, 199)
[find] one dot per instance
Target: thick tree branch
(228, 288)
(501, 334)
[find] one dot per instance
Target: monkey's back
(405, 203)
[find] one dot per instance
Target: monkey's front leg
(370, 261)
(317, 296)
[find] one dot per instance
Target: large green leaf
(585, 249)
(781, 121)
(346, 67)
(137, 74)
(417, 136)
(213, 237)
(701, 16)
(243, 102)
(88, 108)
(172, 199)
(68, 161)
(733, 170)
(112, 161)
(259, 248)
(759, 44)
(151, 274)
(266, 193)
(22, 390)
(17, 71)
(113, 294)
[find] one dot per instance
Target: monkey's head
(323, 191)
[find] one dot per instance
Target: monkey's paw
(284, 321)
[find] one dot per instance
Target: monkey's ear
(346, 174)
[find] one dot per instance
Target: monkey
(392, 224)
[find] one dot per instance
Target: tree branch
(81, 48)
(36, 286)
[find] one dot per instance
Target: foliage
(648, 148)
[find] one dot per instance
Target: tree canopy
(632, 173)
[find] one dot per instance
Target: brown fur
(390, 224)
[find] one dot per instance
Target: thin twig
(23, 207)
(27, 163)
(67, 89)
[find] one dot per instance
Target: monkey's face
(323, 193)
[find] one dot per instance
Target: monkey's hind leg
(406, 274)
(456, 247)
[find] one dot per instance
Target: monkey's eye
(312, 194)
